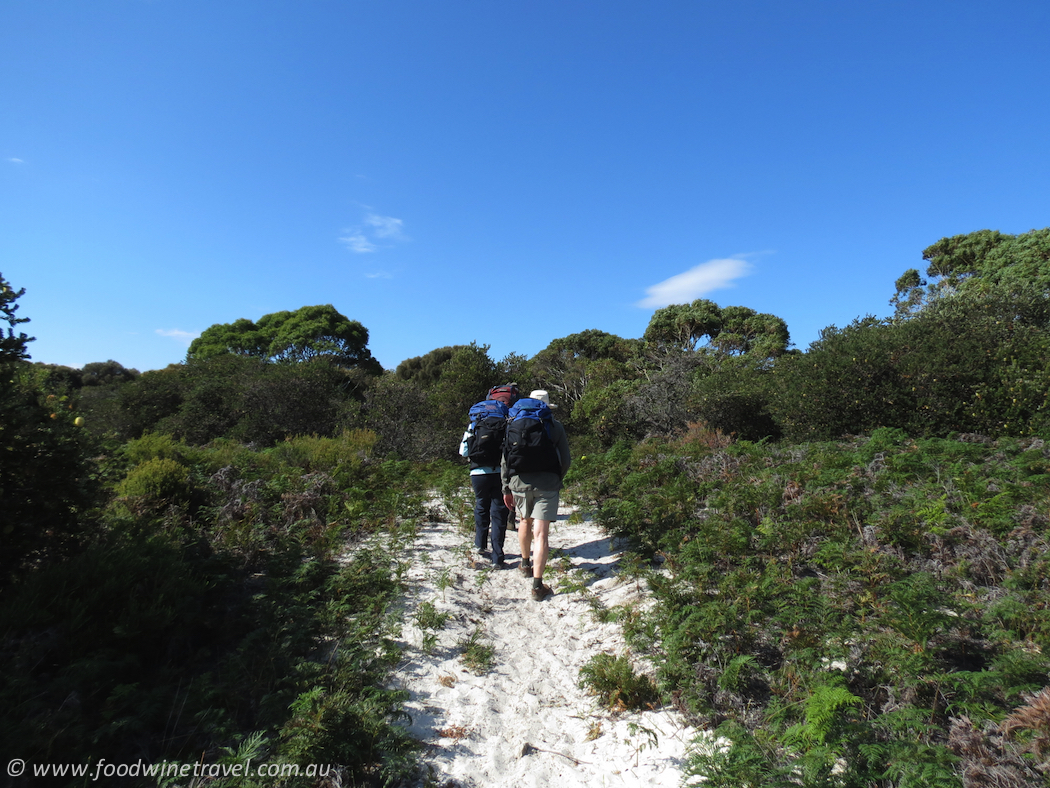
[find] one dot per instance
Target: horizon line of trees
(964, 351)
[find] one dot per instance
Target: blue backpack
(529, 446)
(488, 427)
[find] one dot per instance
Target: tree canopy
(308, 333)
(976, 262)
(426, 369)
(591, 345)
(12, 345)
(721, 331)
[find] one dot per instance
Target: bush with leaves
(426, 370)
(605, 415)
(240, 628)
(733, 397)
(662, 400)
(308, 333)
(48, 487)
(965, 364)
(398, 413)
(838, 605)
(571, 366)
(229, 396)
(465, 379)
(617, 685)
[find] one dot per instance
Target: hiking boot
(526, 568)
(500, 565)
(541, 592)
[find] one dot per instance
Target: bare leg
(543, 549)
(525, 538)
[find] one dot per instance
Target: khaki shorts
(537, 504)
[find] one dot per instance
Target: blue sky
(500, 172)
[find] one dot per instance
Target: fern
(617, 685)
(918, 765)
(737, 671)
(744, 763)
(823, 709)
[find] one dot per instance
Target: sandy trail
(524, 721)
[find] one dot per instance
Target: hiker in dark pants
(490, 511)
(532, 481)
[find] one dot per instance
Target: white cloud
(375, 231)
(379, 275)
(386, 226)
(13, 160)
(696, 282)
(183, 337)
(356, 241)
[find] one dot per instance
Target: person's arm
(504, 475)
(463, 451)
(563, 449)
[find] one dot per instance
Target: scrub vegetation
(846, 546)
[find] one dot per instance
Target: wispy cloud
(13, 160)
(182, 337)
(356, 241)
(386, 226)
(379, 275)
(696, 282)
(374, 232)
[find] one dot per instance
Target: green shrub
(341, 454)
(477, 654)
(734, 398)
(618, 687)
(155, 484)
(157, 445)
(604, 414)
(49, 486)
(973, 364)
(905, 577)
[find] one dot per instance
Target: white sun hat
(542, 396)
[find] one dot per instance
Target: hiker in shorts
(535, 460)
(490, 511)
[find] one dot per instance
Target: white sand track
(525, 721)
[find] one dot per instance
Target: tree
(465, 379)
(241, 337)
(12, 346)
(963, 364)
(425, 370)
(567, 366)
(308, 333)
(591, 345)
(975, 262)
(513, 368)
(730, 331)
(683, 326)
(47, 484)
(318, 332)
(106, 373)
